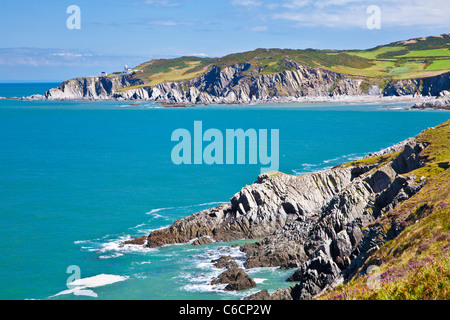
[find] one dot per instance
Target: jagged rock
(261, 295)
(286, 255)
(260, 209)
(283, 294)
(442, 102)
(225, 262)
(90, 88)
(136, 241)
(313, 276)
(342, 247)
(202, 241)
(236, 279)
(429, 86)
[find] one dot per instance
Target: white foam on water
(259, 280)
(324, 165)
(117, 247)
(114, 255)
(204, 287)
(158, 210)
(200, 269)
(154, 211)
(141, 263)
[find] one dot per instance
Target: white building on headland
(127, 70)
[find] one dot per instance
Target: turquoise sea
(78, 178)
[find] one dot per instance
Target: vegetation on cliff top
(416, 263)
(412, 58)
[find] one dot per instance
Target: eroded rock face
(313, 223)
(260, 209)
(334, 242)
(90, 88)
(229, 86)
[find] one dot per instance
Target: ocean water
(78, 178)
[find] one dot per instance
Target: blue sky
(36, 44)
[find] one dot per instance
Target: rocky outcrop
(90, 88)
(236, 84)
(236, 279)
(314, 276)
(225, 262)
(430, 86)
(260, 209)
(440, 103)
(319, 223)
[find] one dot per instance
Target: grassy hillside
(399, 60)
(415, 264)
(412, 58)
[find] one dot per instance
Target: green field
(429, 53)
(372, 54)
(440, 65)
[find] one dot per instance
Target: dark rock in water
(136, 241)
(202, 241)
(225, 262)
(236, 278)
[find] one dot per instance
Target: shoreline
(283, 100)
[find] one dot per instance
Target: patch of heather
(443, 204)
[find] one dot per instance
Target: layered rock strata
(318, 223)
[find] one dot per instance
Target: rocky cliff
(321, 224)
(235, 84)
(90, 88)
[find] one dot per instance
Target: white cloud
(163, 3)
(169, 23)
(72, 55)
(352, 13)
(294, 4)
(246, 3)
(327, 3)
